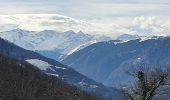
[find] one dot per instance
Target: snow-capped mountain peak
(51, 43)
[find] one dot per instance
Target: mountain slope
(50, 43)
(22, 81)
(107, 62)
(52, 67)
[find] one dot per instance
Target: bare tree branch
(148, 82)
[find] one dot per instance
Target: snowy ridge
(51, 43)
(144, 38)
(127, 37)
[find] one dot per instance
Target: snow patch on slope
(39, 63)
(53, 74)
(42, 64)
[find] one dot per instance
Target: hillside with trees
(22, 81)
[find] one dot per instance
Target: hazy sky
(88, 9)
(114, 16)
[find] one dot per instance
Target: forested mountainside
(108, 62)
(22, 81)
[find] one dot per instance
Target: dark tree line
(22, 81)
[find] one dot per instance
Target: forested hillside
(22, 81)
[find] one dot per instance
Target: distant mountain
(23, 81)
(54, 68)
(108, 62)
(127, 37)
(52, 44)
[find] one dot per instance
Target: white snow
(120, 42)
(93, 86)
(127, 37)
(60, 68)
(82, 46)
(74, 50)
(60, 42)
(53, 74)
(144, 38)
(139, 58)
(82, 83)
(42, 64)
(39, 63)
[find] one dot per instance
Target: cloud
(105, 17)
(149, 26)
(88, 9)
(38, 22)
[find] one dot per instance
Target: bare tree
(149, 84)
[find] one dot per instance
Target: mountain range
(52, 44)
(87, 61)
(57, 69)
(108, 62)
